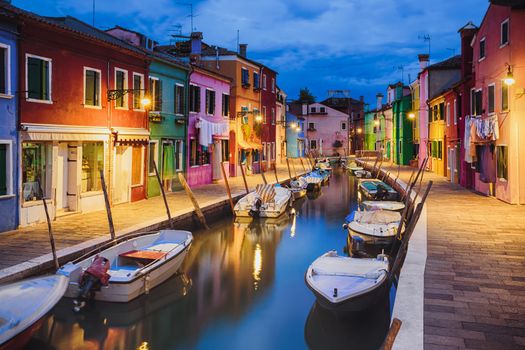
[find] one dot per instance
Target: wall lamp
(116, 94)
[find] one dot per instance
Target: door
(217, 159)
(72, 188)
(62, 177)
(122, 175)
(452, 163)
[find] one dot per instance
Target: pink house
(326, 130)
(499, 53)
(208, 126)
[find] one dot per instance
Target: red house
(78, 116)
(268, 113)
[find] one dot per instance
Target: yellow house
(436, 135)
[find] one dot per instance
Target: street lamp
(411, 115)
(145, 101)
(376, 122)
(119, 93)
(509, 78)
(258, 118)
(359, 130)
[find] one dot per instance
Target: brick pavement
(30, 242)
(475, 269)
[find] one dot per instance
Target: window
(121, 83)
(400, 147)
(225, 153)
(343, 126)
(155, 86)
(476, 102)
(5, 69)
(435, 113)
(245, 77)
(442, 111)
(210, 102)
(256, 82)
(504, 32)
(433, 149)
(179, 99)
(153, 157)
(263, 151)
(440, 149)
(311, 126)
(138, 90)
(38, 77)
(264, 115)
(491, 98)
(482, 49)
(322, 109)
(504, 97)
(264, 81)
(244, 119)
(6, 168)
(502, 160)
(447, 114)
(225, 105)
(273, 116)
(92, 163)
(36, 170)
(195, 98)
(136, 165)
(92, 87)
(179, 155)
(273, 84)
(313, 109)
(199, 155)
(193, 152)
(313, 144)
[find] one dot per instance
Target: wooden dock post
(275, 173)
(49, 229)
(262, 174)
(302, 164)
(392, 333)
(108, 207)
(198, 211)
(288, 165)
(244, 179)
(163, 194)
(227, 185)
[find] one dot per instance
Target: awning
(49, 132)
(249, 145)
(130, 135)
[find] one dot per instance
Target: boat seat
(122, 273)
(143, 255)
(163, 247)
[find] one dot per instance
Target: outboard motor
(382, 192)
(254, 211)
(95, 276)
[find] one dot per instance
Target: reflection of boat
(363, 174)
(136, 265)
(266, 201)
(343, 284)
(363, 331)
(24, 304)
(375, 227)
(374, 189)
(384, 205)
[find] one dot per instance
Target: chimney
(379, 103)
(242, 50)
(196, 46)
(467, 32)
(423, 61)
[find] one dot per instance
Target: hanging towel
(466, 137)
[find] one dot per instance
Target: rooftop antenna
(402, 69)
(191, 15)
(425, 37)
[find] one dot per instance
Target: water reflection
(242, 287)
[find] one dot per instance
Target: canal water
(242, 287)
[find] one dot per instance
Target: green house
(402, 133)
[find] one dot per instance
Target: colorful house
(269, 116)
(436, 135)
(414, 115)
(167, 112)
(402, 125)
(280, 129)
(9, 161)
(497, 103)
(77, 119)
(295, 143)
(369, 131)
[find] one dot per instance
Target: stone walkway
(30, 242)
(475, 269)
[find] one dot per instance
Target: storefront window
(502, 155)
(36, 172)
(92, 163)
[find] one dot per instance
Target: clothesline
(208, 129)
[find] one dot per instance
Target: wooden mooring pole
(288, 165)
(392, 333)
(302, 164)
(163, 194)
(198, 211)
(108, 207)
(244, 179)
(49, 229)
(275, 173)
(293, 166)
(227, 185)
(262, 174)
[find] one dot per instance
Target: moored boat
(346, 284)
(133, 267)
(267, 201)
(314, 180)
(24, 304)
(298, 187)
(384, 205)
(378, 227)
(374, 189)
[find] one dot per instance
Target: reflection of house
(8, 119)
(168, 111)
(326, 129)
(72, 126)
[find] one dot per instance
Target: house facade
(9, 160)
(269, 116)
(280, 129)
(497, 106)
(73, 124)
(295, 142)
(402, 125)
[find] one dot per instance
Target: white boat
(136, 265)
(344, 284)
(363, 174)
(374, 189)
(24, 304)
(298, 187)
(267, 201)
(375, 227)
(314, 181)
(384, 205)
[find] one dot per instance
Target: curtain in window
(168, 160)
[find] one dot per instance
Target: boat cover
(266, 192)
(344, 266)
(380, 217)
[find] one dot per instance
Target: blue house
(8, 123)
(294, 136)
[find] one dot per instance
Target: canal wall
(409, 301)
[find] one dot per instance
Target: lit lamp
(359, 130)
(145, 102)
(293, 125)
(411, 115)
(258, 118)
(298, 128)
(376, 122)
(509, 78)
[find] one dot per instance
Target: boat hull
(384, 241)
(299, 193)
(312, 187)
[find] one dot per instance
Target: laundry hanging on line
(207, 129)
